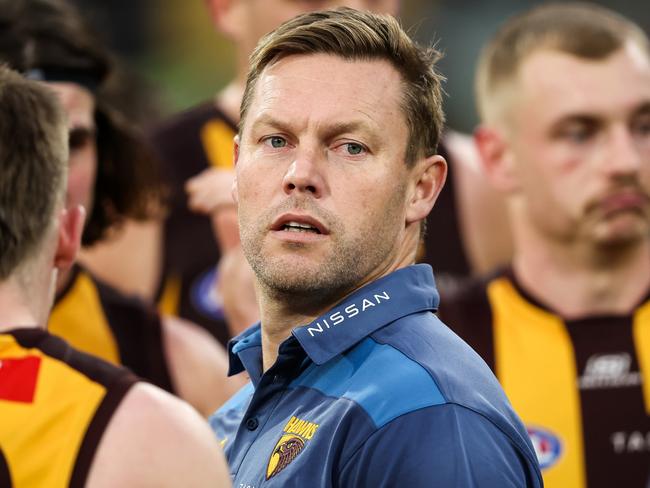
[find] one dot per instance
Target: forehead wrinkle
(295, 96)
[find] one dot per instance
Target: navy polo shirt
(376, 392)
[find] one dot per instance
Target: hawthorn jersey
(99, 320)
(577, 384)
(55, 404)
(186, 145)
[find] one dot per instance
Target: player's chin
(622, 230)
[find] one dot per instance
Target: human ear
(496, 158)
(71, 224)
(429, 175)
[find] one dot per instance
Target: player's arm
(198, 365)
(443, 445)
(157, 440)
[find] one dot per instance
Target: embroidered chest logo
(296, 434)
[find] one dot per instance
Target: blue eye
(277, 142)
(354, 149)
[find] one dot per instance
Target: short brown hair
(33, 165)
(583, 30)
(356, 35)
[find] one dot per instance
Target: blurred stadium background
(173, 47)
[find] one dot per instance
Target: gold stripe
(41, 440)
(641, 331)
(217, 138)
(79, 319)
(536, 365)
(170, 297)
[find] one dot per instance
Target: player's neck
(15, 312)
(576, 281)
(279, 317)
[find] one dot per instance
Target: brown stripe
(96, 429)
(137, 329)
(615, 424)
(5, 476)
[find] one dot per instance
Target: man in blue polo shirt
(355, 382)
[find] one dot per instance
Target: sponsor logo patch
(609, 371)
(352, 310)
(548, 447)
(296, 434)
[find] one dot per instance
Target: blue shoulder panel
(378, 377)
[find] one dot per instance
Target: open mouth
(300, 227)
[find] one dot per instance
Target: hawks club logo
(296, 434)
(547, 446)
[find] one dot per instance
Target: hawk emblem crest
(285, 451)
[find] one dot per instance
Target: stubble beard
(349, 259)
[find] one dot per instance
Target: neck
(15, 309)
(279, 317)
(280, 313)
(583, 279)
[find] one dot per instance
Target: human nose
(304, 175)
(624, 155)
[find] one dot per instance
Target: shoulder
(467, 310)
(383, 381)
(155, 439)
(198, 365)
(446, 445)
(458, 372)
(91, 367)
(465, 304)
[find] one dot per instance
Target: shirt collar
(251, 339)
(404, 292)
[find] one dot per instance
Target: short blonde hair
(583, 30)
(356, 35)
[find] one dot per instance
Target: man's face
(321, 175)
(79, 105)
(579, 134)
(262, 16)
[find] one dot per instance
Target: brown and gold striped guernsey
(187, 144)
(99, 320)
(55, 404)
(577, 384)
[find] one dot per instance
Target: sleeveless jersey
(55, 404)
(99, 320)
(187, 144)
(577, 384)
